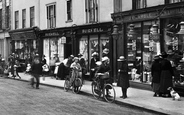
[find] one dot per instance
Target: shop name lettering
(92, 30)
(52, 34)
(153, 14)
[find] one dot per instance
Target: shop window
(23, 18)
(104, 45)
(141, 48)
(175, 1)
(138, 4)
(93, 45)
(91, 11)
(51, 16)
(69, 10)
(83, 49)
(16, 19)
(117, 6)
(32, 16)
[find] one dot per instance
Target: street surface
(19, 98)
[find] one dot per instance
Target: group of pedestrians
(162, 75)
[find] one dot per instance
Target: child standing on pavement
(123, 79)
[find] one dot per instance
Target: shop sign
(92, 30)
(63, 40)
(51, 34)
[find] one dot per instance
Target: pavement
(136, 97)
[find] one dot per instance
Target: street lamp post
(73, 35)
(115, 35)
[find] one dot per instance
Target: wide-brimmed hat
(72, 56)
(156, 57)
(98, 63)
(105, 59)
(170, 52)
(75, 58)
(80, 54)
(94, 54)
(121, 58)
(164, 55)
(182, 60)
(106, 51)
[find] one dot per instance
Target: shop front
(25, 43)
(94, 38)
(149, 32)
(56, 42)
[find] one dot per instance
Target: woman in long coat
(155, 72)
(123, 78)
(166, 75)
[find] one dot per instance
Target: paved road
(19, 98)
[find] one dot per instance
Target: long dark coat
(61, 71)
(156, 71)
(123, 78)
(166, 76)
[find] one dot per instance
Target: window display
(141, 48)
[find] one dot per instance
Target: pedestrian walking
(123, 78)
(166, 75)
(155, 72)
(36, 72)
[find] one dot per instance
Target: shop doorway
(67, 50)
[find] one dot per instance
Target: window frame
(7, 17)
(139, 4)
(69, 10)
(16, 19)
(1, 25)
(51, 18)
(91, 11)
(32, 16)
(117, 6)
(23, 18)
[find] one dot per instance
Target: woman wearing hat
(155, 72)
(93, 65)
(123, 79)
(166, 75)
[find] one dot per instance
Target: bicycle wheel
(96, 91)
(109, 93)
(66, 84)
(77, 85)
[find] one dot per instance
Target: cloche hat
(121, 58)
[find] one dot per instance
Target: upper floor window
(7, 17)
(91, 11)
(175, 1)
(51, 16)
(138, 4)
(1, 19)
(69, 9)
(23, 18)
(16, 19)
(32, 16)
(117, 6)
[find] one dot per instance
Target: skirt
(156, 87)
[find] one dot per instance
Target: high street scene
(91, 57)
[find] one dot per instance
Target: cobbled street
(19, 98)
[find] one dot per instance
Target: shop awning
(24, 34)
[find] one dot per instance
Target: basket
(78, 82)
(105, 76)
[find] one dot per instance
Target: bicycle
(76, 83)
(107, 91)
